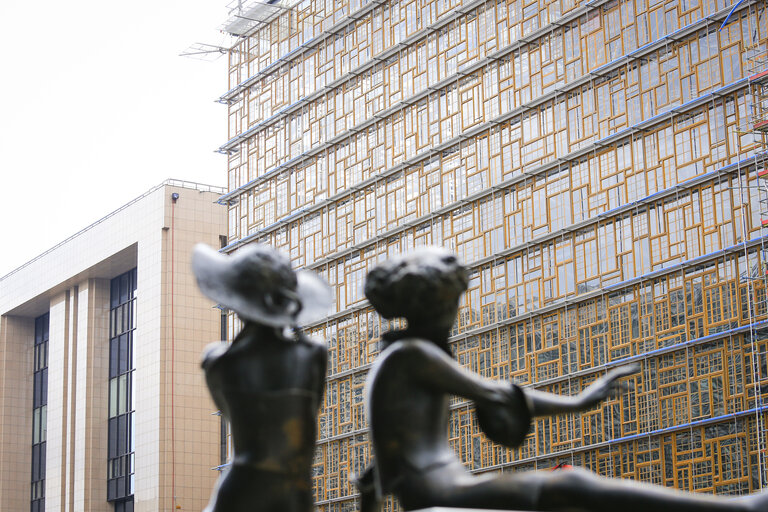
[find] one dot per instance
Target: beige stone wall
(58, 401)
(175, 448)
(92, 398)
(195, 324)
(16, 342)
(78, 367)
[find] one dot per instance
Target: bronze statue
(269, 382)
(408, 390)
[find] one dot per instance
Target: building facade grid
(595, 166)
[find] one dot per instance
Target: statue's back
(269, 390)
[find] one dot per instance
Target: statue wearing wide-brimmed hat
(269, 382)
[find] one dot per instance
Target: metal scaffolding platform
(247, 16)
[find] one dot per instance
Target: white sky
(96, 108)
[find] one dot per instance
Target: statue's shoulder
(405, 358)
(213, 352)
(411, 348)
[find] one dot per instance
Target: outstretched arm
(436, 369)
(546, 404)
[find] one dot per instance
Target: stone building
(103, 405)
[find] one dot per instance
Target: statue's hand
(366, 484)
(504, 416)
(606, 385)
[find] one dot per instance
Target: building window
(125, 505)
(122, 323)
(39, 407)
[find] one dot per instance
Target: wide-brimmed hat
(257, 283)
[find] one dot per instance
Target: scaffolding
(757, 57)
(245, 17)
(757, 274)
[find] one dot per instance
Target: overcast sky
(96, 107)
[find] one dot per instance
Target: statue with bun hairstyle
(408, 391)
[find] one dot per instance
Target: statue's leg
(244, 489)
(568, 490)
(452, 486)
(579, 489)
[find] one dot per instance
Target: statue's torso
(409, 420)
(270, 390)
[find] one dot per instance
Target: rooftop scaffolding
(246, 16)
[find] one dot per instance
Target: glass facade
(595, 165)
(39, 412)
(122, 323)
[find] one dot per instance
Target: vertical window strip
(122, 323)
(39, 413)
